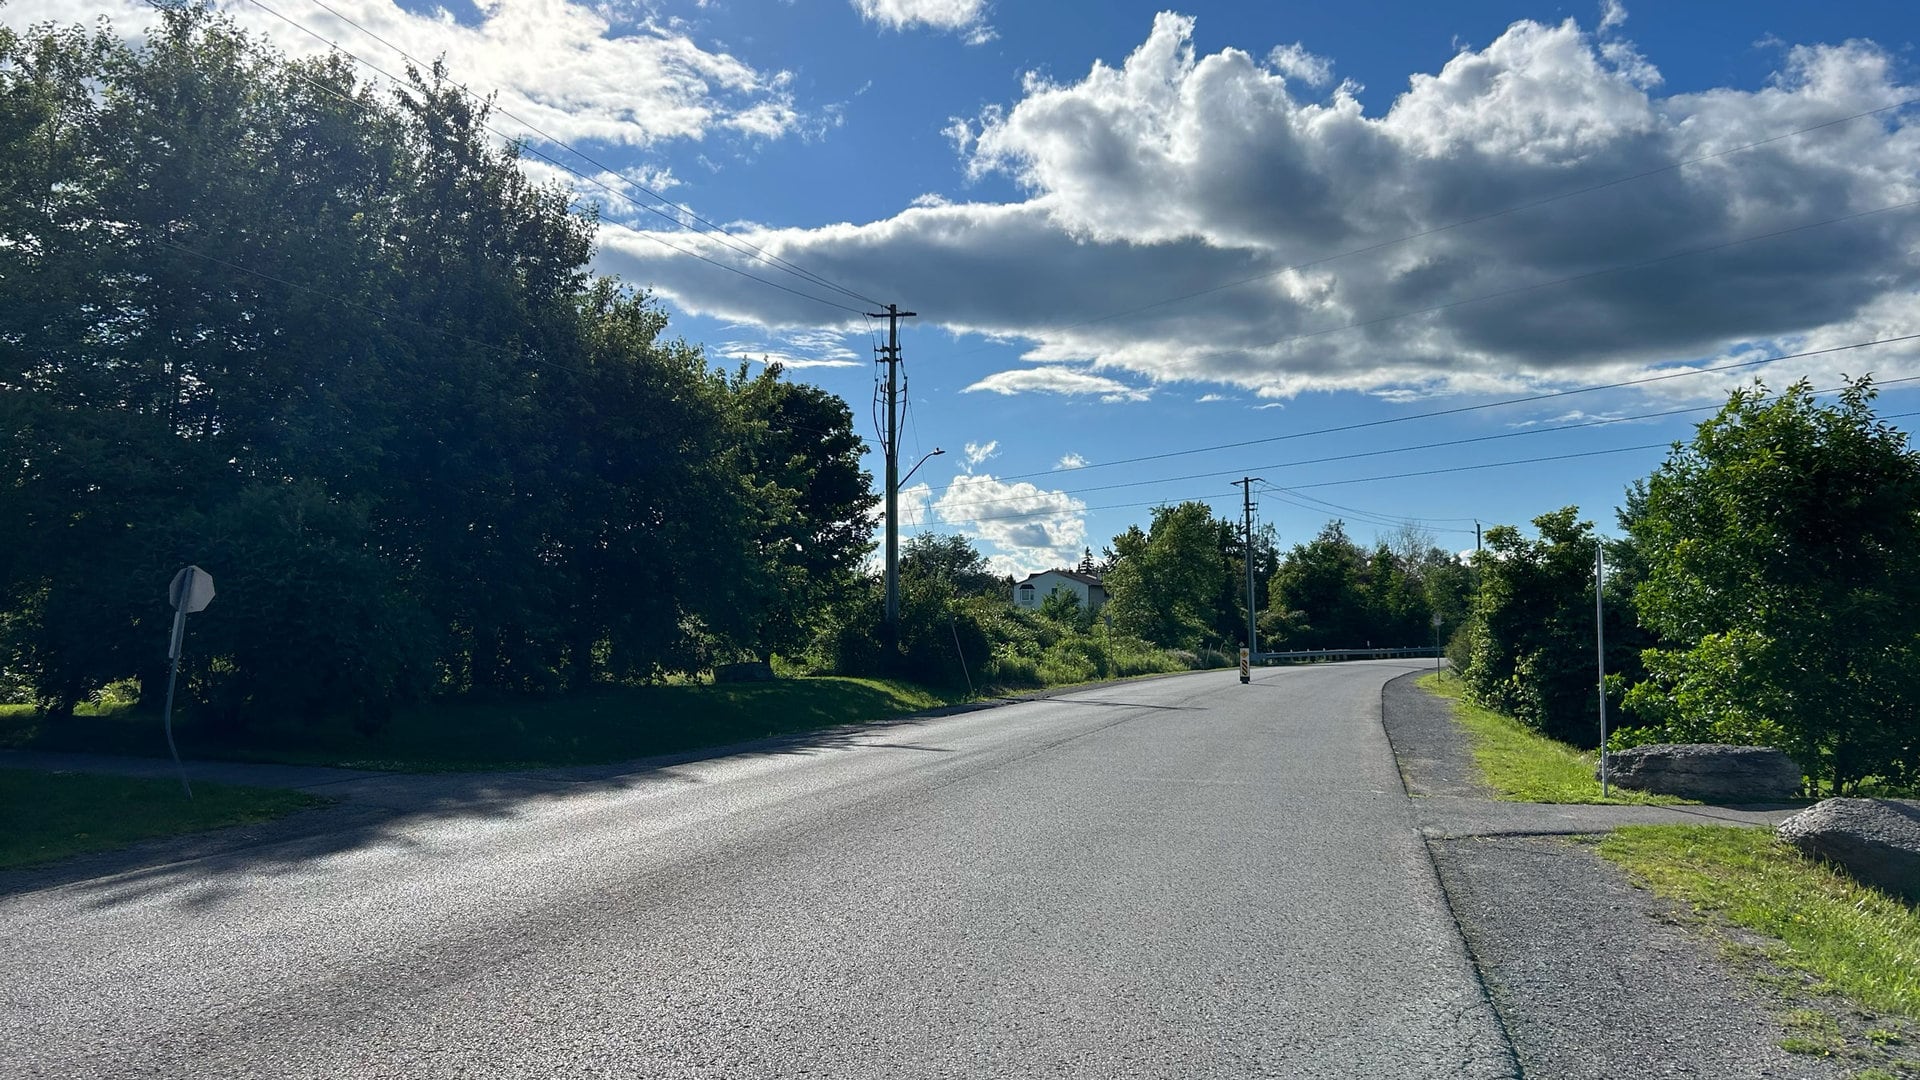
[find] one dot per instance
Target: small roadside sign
(191, 590)
(1246, 661)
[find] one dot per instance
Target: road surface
(1177, 878)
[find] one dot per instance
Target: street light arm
(916, 465)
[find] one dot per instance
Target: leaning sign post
(191, 591)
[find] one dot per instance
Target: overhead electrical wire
(1055, 511)
(1439, 444)
(1549, 395)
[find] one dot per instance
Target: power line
(550, 159)
(1463, 222)
(1352, 480)
(1440, 444)
(1458, 410)
(739, 244)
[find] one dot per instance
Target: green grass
(53, 815)
(1522, 765)
(1850, 938)
(603, 725)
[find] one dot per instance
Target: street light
(916, 465)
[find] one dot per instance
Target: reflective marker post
(1246, 660)
(191, 590)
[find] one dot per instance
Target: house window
(1026, 595)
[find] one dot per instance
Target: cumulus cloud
(1191, 218)
(578, 71)
(1295, 62)
(1070, 461)
(966, 16)
(1028, 528)
(978, 453)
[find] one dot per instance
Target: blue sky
(1039, 180)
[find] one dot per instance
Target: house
(1033, 592)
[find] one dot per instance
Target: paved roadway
(1177, 878)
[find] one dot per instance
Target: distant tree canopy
(1331, 593)
(333, 345)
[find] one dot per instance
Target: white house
(1033, 592)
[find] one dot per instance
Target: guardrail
(1318, 655)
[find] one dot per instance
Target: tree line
(331, 343)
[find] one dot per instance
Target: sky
(1154, 249)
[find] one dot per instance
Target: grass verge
(593, 727)
(1850, 938)
(53, 815)
(1522, 765)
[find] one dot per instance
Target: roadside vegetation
(1522, 765)
(604, 725)
(1838, 936)
(55, 815)
(1766, 592)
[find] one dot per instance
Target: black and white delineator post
(192, 590)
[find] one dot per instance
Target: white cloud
(1057, 380)
(1613, 15)
(980, 452)
(574, 70)
(1179, 174)
(1070, 461)
(1205, 399)
(968, 16)
(793, 349)
(1028, 528)
(1295, 62)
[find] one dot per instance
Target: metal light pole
(1600, 652)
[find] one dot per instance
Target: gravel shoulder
(1590, 976)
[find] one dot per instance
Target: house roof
(1084, 579)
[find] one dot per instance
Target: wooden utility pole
(890, 356)
(1246, 494)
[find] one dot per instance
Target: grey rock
(751, 671)
(1876, 840)
(1711, 772)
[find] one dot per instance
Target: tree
(257, 314)
(1782, 566)
(1530, 637)
(1173, 584)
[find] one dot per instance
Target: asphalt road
(1176, 878)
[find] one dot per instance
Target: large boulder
(1710, 772)
(1877, 840)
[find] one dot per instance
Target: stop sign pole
(191, 590)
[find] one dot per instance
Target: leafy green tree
(951, 559)
(1174, 584)
(1782, 567)
(253, 311)
(1530, 637)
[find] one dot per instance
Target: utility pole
(890, 356)
(1476, 538)
(1246, 496)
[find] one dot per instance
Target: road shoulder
(1590, 976)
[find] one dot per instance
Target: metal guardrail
(1313, 655)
